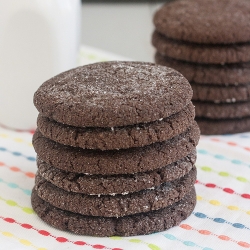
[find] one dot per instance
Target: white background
(121, 28)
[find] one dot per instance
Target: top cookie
(110, 94)
(210, 21)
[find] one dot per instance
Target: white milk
(38, 39)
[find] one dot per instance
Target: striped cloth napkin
(221, 219)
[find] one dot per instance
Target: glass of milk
(38, 39)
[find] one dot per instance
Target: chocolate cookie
(225, 126)
(139, 224)
(125, 161)
(220, 94)
(118, 137)
(222, 110)
(211, 21)
(118, 205)
(229, 74)
(200, 53)
(118, 184)
(111, 94)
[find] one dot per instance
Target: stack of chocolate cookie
(116, 149)
(209, 43)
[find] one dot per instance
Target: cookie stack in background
(209, 43)
(116, 149)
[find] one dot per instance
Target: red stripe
(32, 131)
(226, 189)
(16, 169)
(209, 233)
(246, 196)
(230, 143)
(59, 239)
(210, 185)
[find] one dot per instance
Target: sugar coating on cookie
(117, 205)
(210, 21)
(220, 93)
(110, 94)
(201, 53)
(228, 74)
(222, 110)
(223, 126)
(125, 161)
(150, 222)
(115, 184)
(137, 135)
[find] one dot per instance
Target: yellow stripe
(16, 139)
(218, 203)
(7, 234)
(22, 241)
(12, 203)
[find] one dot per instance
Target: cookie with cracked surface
(118, 137)
(228, 74)
(208, 22)
(221, 94)
(222, 110)
(223, 126)
(124, 161)
(116, 205)
(139, 224)
(112, 94)
(200, 53)
(115, 184)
